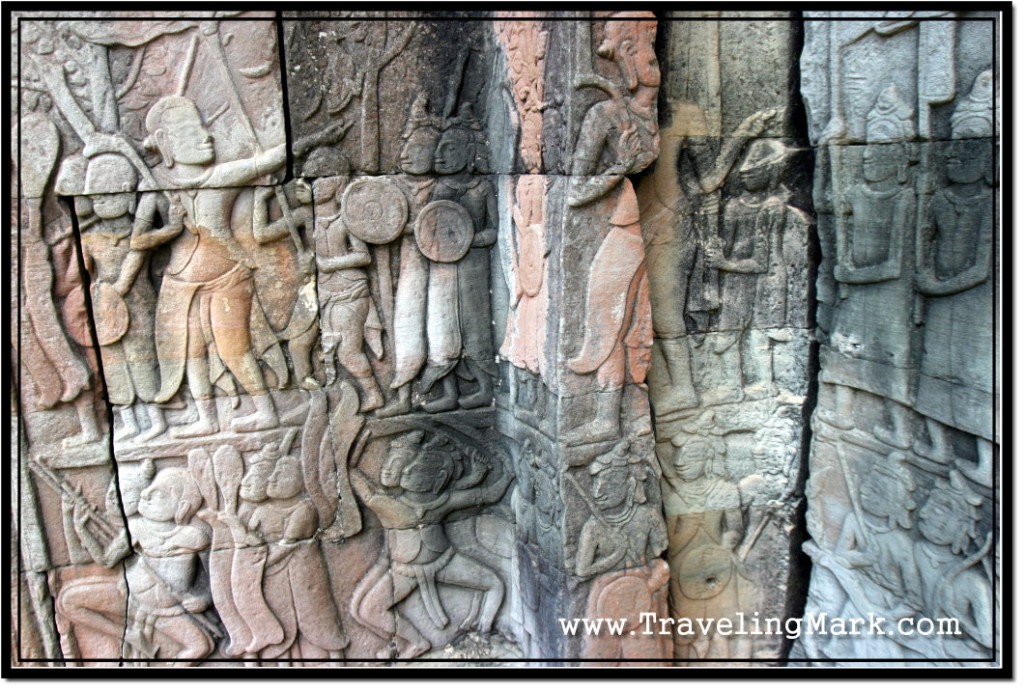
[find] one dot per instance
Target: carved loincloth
(425, 576)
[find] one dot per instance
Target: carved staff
(64, 488)
(851, 487)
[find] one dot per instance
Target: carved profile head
(463, 147)
(629, 42)
(286, 480)
(420, 138)
(177, 131)
(762, 164)
(110, 179)
(430, 471)
(172, 496)
(402, 450)
(950, 515)
(253, 487)
(887, 491)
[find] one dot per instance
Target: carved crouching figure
(414, 494)
(167, 598)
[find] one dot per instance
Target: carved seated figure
(418, 488)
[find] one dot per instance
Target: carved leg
(265, 416)
(841, 416)
(939, 447)
(605, 424)
(206, 424)
(157, 422)
(484, 394)
(449, 398)
(129, 425)
(899, 434)
(982, 472)
(87, 421)
(401, 405)
(468, 573)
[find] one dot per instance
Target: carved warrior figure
(458, 328)
(303, 329)
(619, 136)
(419, 486)
(526, 333)
(207, 278)
(954, 272)
(874, 541)
(59, 374)
(683, 183)
(751, 269)
(624, 530)
(348, 316)
(420, 139)
(115, 249)
(167, 598)
(952, 584)
(525, 45)
(705, 528)
(871, 340)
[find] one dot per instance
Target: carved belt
(424, 575)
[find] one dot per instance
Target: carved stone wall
(350, 338)
(902, 480)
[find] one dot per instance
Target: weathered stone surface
(495, 324)
(728, 243)
(903, 461)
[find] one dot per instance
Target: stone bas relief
(512, 325)
(901, 164)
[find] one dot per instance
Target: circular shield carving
(374, 210)
(444, 231)
(706, 572)
(111, 312)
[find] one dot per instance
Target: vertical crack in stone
(86, 282)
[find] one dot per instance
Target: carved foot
(594, 431)
(309, 384)
(265, 416)
(830, 418)
(477, 400)
(154, 431)
(399, 407)
(127, 431)
(892, 437)
(199, 428)
(80, 440)
(372, 398)
(441, 405)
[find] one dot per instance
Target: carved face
(939, 521)
(286, 480)
(880, 162)
(418, 151)
(159, 501)
(186, 137)
(254, 483)
(633, 45)
(610, 489)
(756, 179)
(453, 152)
(422, 475)
(965, 162)
(880, 495)
(690, 462)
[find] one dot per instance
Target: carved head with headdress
(698, 456)
(463, 146)
(172, 495)
(419, 139)
(112, 180)
(629, 42)
(887, 491)
(889, 131)
(614, 480)
(177, 131)
(969, 153)
(950, 515)
(762, 164)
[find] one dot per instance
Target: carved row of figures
(232, 554)
(904, 552)
(911, 308)
(206, 324)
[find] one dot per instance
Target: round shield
(444, 231)
(375, 210)
(111, 313)
(706, 572)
